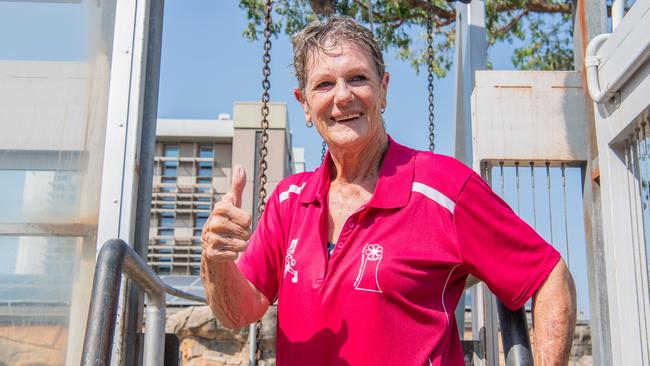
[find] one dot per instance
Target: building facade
(193, 169)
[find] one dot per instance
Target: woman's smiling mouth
(346, 117)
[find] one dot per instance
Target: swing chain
(432, 145)
(266, 85)
(323, 150)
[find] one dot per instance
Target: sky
(207, 65)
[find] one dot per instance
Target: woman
(368, 255)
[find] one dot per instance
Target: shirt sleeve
(261, 262)
(498, 247)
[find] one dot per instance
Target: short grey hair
(318, 36)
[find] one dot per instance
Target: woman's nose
(342, 93)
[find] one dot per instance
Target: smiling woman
(406, 229)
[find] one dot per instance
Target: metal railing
(114, 259)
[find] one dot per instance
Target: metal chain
(323, 150)
(432, 135)
(266, 85)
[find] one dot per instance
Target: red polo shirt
(387, 294)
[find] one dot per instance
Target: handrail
(114, 259)
(514, 335)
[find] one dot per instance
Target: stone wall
(205, 342)
(28, 345)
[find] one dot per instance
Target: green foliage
(542, 27)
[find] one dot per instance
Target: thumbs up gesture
(227, 230)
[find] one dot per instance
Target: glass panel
(205, 151)
(170, 151)
(200, 220)
(53, 103)
(166, 220)
(169, 171)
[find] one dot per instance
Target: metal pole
(514, 335)
(115, 258)
(100, 328)
(135, 299)
(154, 335)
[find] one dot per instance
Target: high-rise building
(193, 169)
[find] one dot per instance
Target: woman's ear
(300, 97)
(297, 94)
(384, 82)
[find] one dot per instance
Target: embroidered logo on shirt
(290, 261)
(367, 280)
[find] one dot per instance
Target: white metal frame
(118, 197)
(616, 119)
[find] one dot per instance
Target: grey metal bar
(517, 187)
(550, 207)
(114, 259)
(514, 335)
(566, 222)
(135, 300)
(532, 183)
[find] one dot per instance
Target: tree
(543, 27)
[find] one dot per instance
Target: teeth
(347, 116)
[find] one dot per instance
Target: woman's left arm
(554, 317)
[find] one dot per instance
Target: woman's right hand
(227, 230)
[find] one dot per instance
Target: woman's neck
(356, 166)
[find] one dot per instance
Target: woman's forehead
(317, 55)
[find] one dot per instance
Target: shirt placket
(348, 227)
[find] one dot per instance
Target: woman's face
(344, 97)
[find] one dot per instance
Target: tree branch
(506, 28)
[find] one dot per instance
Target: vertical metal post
(154, 352)
(618, 11)
(135, 299)
(532, 183)
(590, 20)
(550, 208)
(566, 222)
(517, 187)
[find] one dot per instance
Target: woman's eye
(323, 84)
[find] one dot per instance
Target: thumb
(234, 195)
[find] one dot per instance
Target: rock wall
(205, 342)
(28, 345)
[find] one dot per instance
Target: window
(166, 220)
(165, 232)
(200, 219)
(205, 169)
(170, 150)
(202, 189)
(169, 169)
(164, 270)
(206, 151)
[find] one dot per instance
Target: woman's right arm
(233, 299)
